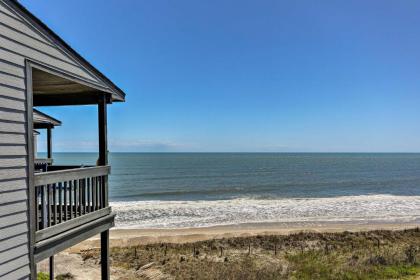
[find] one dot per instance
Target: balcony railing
(68, 198)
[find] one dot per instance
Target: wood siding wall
(20, 40)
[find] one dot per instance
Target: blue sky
(314, 76)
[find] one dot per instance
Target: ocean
(181, 190)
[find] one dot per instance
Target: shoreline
(131, 237)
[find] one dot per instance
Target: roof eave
(118, 95)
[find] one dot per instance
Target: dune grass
(347, 255)
(43, 276)
(46, 276)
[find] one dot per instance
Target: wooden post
(49, 143)
(52, 268)
(103, 160)
(102, 126)
(105, 255)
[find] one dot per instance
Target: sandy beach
(133, 237)
(74, 262)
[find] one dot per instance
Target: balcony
(71, 205)
(67, 204)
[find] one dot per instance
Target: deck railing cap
(52, 177)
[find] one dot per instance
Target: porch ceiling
(53, 90)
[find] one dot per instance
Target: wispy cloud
(70, 145)
(115, 145)
(139, 145)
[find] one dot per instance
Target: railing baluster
(71, 199)
(42, 207)
(36, 208)
(88, 194)
(85, 196)
(81, 197)
(54, 204)
(93, 194)
(65, 201)
(76, 203)
(60, 202)
(49, 205)
(101, 191)
(97, 193)
(105, 190)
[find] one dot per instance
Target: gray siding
(14, 246)
(20, 40)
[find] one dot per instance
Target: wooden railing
(69, 197)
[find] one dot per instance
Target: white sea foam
(181, 214)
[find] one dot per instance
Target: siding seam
(18, 18)
(9, 121)
(12, 87)
(13, 247)
(11, 132)
(37, 50)
(14, 179)
(12, 145)
(12, 225)
(13, 236)
(11, 191)
(14, 213)
(15, 18)
(12, 167)
(15, 15)
(9, 110)
(13, 75)
(9, 272)
(12, 157)
(15, 257)
(15, 190)
(92, 81)
(11, 63)
(27, 35)
(13, 202)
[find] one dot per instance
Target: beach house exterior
(44, 211)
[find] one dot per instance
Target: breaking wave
(185, 214)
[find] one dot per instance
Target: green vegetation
(65, 276)
(42, 276)
(46, 276)
(347, 255)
